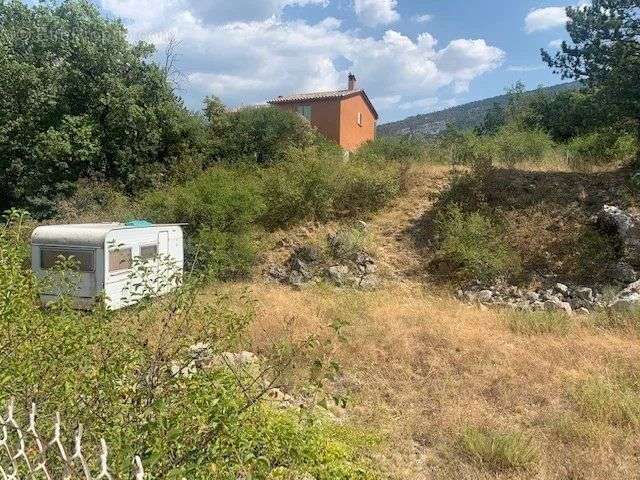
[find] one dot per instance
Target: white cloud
(545, 18)
(426, 18)
(525, 68)
(209, 12)
(248, 62)
(376, 12)
(555, 44)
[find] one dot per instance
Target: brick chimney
(352, 81)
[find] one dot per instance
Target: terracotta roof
(300, 97)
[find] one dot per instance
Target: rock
(557, 306)
(307, 253)
(624, 273)
(562, 288)
(366, 264)
(339, 274)
(615, 222)
(369, 282)
(627, 299)
(297, 265)
(583, 293)
(484, 295)
(532, 297)
(278, 273)
(296, 279)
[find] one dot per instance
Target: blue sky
(411, 56)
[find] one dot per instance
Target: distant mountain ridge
(469, 115)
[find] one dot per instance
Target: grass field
(453, 391)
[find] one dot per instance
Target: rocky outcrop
(624, 230)
(307, 265)
(627, 299)
(558, 297)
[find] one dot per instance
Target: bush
(516, 146)
(302, 187)
(498, 451)
(265, 134)
(220, 207)
(365, 186)
(313, 184)
(394, 149)
(600, 148)
(472, 243)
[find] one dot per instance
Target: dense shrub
(301, 187)
(396, 149)
(600, 148)
(316, 184)
(220, 207)
(516, 146)
(78, 100)
(119, 374)
(472, 243)
(364, 186)
(264, 134)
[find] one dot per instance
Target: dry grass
(456, 392)
(423, 369)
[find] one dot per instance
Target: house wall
(325, 116)
(353, 135)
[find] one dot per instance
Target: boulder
(624, 273)
(562, 289)
(307, 253)
(558, 306)
(584, 293)
(625, 227)
(339, 274)
(369, 282)
(484, 296)
(627, 299)
(277, 273)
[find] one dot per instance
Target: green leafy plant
(498, 451)
(472, 243)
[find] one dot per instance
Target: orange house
(345, 116)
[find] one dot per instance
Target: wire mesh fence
(25, 453)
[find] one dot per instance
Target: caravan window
(49, 257)
(120, 260)
(147, 252)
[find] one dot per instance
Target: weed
(533, 323)
(602, 399)
(498, 451)
(472, 243)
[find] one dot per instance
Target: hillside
(454, 389)
(469, 115)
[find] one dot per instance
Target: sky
(411, 56)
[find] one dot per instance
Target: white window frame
(359, 120)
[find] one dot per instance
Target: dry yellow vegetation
(454, 391)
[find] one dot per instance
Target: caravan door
(163, 243)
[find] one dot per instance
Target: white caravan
(111, 261)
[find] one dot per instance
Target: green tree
(78, 100)
(266, 133)
(605, 54)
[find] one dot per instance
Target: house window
(147, 252)
(305, 111)
(360, 118)
(49, 257)
(120, 260)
